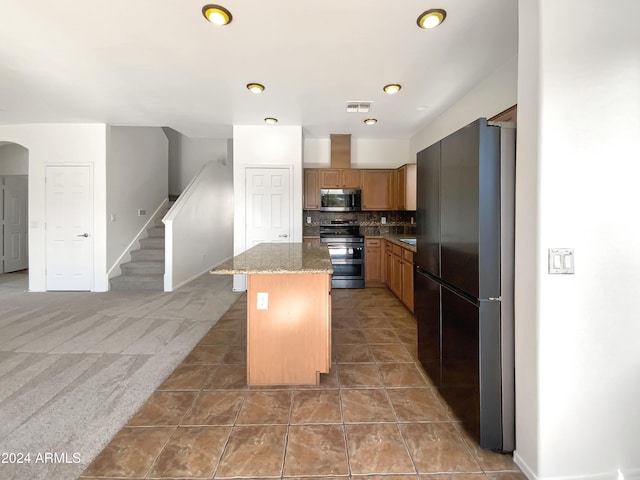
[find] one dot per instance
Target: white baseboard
(524, 467)
(528, 472)
(181, 284)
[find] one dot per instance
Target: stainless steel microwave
(340, 200)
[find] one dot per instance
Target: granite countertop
(395, 238)
(266, 258)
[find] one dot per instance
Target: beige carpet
(74, 367)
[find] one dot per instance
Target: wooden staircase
(145, 271)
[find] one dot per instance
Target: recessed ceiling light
(371, 121)
(255, 87)
(271, 120)
(216, 14)
(392, 88)
(431, 18)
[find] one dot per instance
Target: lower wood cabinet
(398, 272)
(373, 271)
(407, 282)
(392, 269)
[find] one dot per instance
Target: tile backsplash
(398, 222)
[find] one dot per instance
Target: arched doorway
(14, 244)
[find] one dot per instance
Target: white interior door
(268, 204)
(69, 225)
(14, 218)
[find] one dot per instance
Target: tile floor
(374, 414)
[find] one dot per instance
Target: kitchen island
(288, 311)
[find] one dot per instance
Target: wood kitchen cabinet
(406, 267)
(388, 263)
(382, 189)
(399, 188)
(398, 272)
(393, 277)
(373, 258)
(311, 189)
(405, 187)
(377, 189)
(340, 178)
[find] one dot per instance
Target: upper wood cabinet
(382, 189)
(399, 187)
(405, 187)
(351, 178)
(339, 178)
(311, 189)
(377, 189)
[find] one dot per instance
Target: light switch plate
(561, 261)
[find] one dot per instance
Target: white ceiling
(138, 62)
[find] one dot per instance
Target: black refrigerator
(464, 276)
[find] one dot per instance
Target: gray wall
(187, 156)
(14, 159)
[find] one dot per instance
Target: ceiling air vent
(358, 107)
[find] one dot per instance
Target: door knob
(284, 235)
(85, 235)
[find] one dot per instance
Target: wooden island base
(289, 343)
(289, 337)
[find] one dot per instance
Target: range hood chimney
(340, 150)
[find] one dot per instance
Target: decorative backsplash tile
(398, 222)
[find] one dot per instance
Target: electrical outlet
(383, 220)
(141, 212)
(309, 220)
(263, 301)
